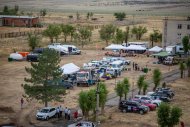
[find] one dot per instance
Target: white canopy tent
(155, 49)
(135, 47)
(116, 47)
(70, 68)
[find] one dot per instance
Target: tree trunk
(65, 39)
(51, 39)
(46, 103)
(102, 109)
(154, 89)
(125, 96)
(188, 71)
(106, 42)
(144, 92)
(139, 92)
(181, 74)
(120, 99)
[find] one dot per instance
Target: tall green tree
(103, 92)
(120, 16)
(84, 34)
(53, 31)
(43, 12)
(140, 83)
(155, 36)
(186, 44)
(188, 66)
(66, 29)
(145, 87)
(139, 31)
(119, 36)
(107, 32)
(41, 73)
(168, 116)
(33, 41)
(5, 9)
(126, 86)
(119, 90)
(157, 76)
(126, 34)
(182, 68)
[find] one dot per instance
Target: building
(18, 21)
(174, 30)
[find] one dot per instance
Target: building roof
(15, 16)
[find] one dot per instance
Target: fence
(18, 34)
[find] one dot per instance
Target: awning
(116, 47)
(161, 54)
(135, 47)
(70, 68)
(156, 49)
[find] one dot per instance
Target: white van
(117, 65)
(72, 49)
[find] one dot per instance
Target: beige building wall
(173, 33)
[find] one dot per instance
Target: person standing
(60, 111)
(75, 115)
(65, 112)
(21, 102)
(69, 114)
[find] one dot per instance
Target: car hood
(41, 114)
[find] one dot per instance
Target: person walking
(75, 115)
(21, 102)
(65, 112)
(69, 114)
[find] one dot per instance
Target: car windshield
(44, 110)
(82, 74)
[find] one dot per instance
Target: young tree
(84, 34)
(140, 83)
(53, 31)
(119, 90)
(107, 32)
(119, 36)
(33, 41)
(139, 31)
(78, 15)
(168, 116)
(68, 30)
(16, 9)
(126, 34)
(155, 36)
(145, 87)
(156, 78)
(103, 96)
(120, 16)
(185, 42)
(41, 73)
(43, 13)
(5, 9)
(181, 68)
(126, 86)
(188, 66)
(89, 15)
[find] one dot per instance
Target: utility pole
(97, 103)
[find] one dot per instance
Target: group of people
(136, 67)
(67, 113)
(59, 111)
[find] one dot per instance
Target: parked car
(132, 106)
(63, 83)
(167, 91)
(83, 124)
(32, 57)
(46, 113)
(151, 106)
(157, 102)
(162, 97)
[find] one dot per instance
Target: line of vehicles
(62, 49)
(144, 103)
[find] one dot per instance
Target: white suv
(46, 113)
(148, 98)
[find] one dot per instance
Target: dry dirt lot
(12, 76)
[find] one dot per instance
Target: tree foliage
(67, 30)
(181, 68)
(188, 66)
(53, 31)
(119, 90)
(140, 83)
(41, 73)
(186, 44)
(84, 33)
(102, 96)
(89, 15)
(119, 36)
(43, 12)
(168, 116)
(33, 41)
(126, 34)
(10, 11)
(139, 31)
(155, 36)
(156, 78)
(145, 87)
(126, 86)
(120, 16)
(107, 32)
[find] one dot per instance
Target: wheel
(124, 110)
(141, 112)
(47, 118)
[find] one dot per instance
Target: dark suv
(132, 106)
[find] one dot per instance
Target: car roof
(48, 107)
